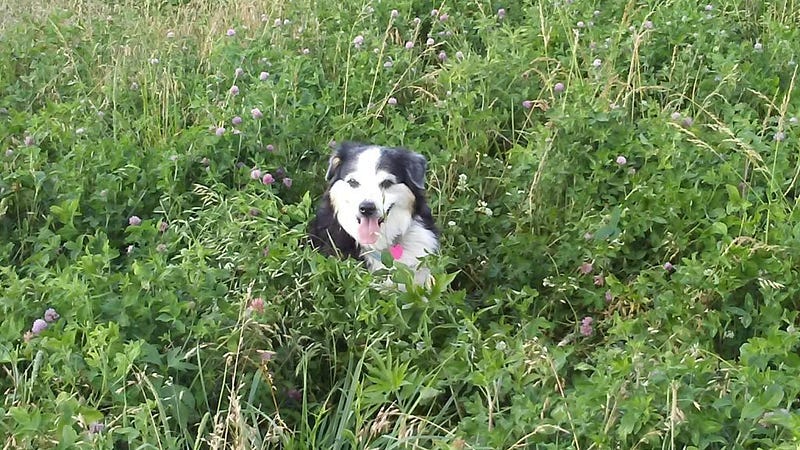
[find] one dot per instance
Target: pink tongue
(368, 230)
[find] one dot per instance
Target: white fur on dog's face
(365, 182)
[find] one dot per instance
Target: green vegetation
(616, 184)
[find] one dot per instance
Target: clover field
(616, 184)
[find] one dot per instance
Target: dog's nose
(367, 209)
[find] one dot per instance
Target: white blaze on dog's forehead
(367, 163)
(366, 168)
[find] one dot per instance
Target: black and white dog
(375, 202)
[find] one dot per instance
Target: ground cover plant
(616, 184)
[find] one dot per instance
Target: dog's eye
(353, 183)
(386, 184)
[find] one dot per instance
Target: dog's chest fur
(414, 242)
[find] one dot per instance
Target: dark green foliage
(655, 195)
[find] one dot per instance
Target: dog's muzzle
(369, 223)
(368, 210)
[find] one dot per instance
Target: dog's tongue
(368, 230)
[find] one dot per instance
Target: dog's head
(375, 191)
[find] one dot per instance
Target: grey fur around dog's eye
(386, 184)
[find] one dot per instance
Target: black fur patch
(410, 168)
(327, 235)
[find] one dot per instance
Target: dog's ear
(415, 169)
(341, 153)
(333, 164)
